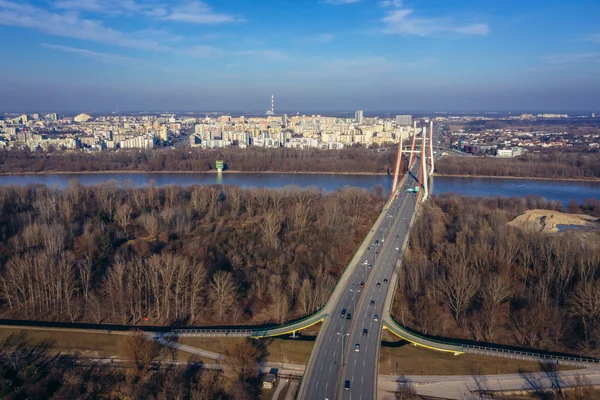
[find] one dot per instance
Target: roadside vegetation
(470, 274)
(201, 255)
(185, 159)
(551, 165)
(34, 370)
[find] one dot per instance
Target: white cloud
(318, 38)
(72, 26)
(267, 55)
(572, 58)
(197, 12)
(101, 57)
(403, 22)
(391, 3)
(339, 2)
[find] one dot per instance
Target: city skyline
(331, 55)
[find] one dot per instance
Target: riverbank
(189, 172)
(532, 178)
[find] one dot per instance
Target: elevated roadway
(334, 349)
(358, 379)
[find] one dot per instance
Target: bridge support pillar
(412, 147)
(397, 170)
(431, 158)
(424, 163)
(294, 334)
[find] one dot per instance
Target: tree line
(200, 255)
(556, 165)
(34, 370)
(252, 159)
(468, 274)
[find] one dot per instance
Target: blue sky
(314, 55)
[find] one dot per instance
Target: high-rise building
(163, 133)
(358, 117)
(404, 120)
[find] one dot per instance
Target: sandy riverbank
(548, 221)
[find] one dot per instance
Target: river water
(552, 190)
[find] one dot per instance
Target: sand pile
(547, 221)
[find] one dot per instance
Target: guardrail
(491, 350)
(256, 333)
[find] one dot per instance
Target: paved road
(461, 386)
(291, 393)
(280, 385)
(362, 356)
(324, 370)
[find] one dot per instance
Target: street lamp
(354, 291)
(343, 335)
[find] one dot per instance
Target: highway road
(359, 375)
(322, 379)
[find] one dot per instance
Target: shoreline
(122, 172)
(187, 172)
(595, 180)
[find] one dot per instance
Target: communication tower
(272, 110)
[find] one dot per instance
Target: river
(552, 190)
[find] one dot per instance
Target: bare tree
(585, 305)
(123, 216)
(222, 293)
(271, 227)
(150, 224)
(459, 285)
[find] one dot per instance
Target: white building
(404, 120)
(138, 142)
(359, 116)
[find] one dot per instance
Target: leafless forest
(32, 370)
(184, 256)
(469, 275)
(187, 159)
(554, 164)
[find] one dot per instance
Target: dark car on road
(372, 302)
(362, 284)
(385, 281)
(343, 312)
(378, 284)
(348, 316)
(365, 332)
(347, 385)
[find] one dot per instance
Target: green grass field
(396, 356)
